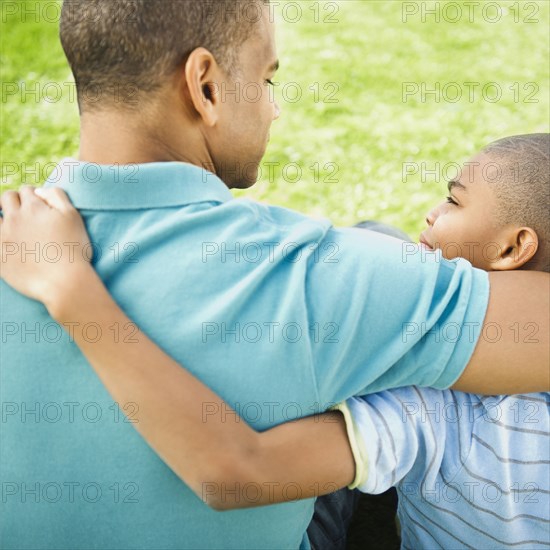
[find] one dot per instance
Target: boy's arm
(215, 456)
(512, 354)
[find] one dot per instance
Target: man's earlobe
(523, 246)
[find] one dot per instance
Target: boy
(470, 471)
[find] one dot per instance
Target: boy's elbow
(225, 490)
(222, 505)
(225, 485)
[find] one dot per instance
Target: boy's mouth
(422, 240)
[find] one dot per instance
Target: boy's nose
(431, 217)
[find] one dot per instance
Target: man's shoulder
(255, 223)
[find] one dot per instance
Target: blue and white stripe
(471, 471)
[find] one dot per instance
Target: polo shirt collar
(138, 186)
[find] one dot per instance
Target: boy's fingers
(26, 194)
(55, 197)
(9, 202)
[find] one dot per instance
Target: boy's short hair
(522, 188)
(120, 49)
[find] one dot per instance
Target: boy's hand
(44, 245)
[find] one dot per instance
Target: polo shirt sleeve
(401, 437)
(389, 314)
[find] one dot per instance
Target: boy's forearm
(302, 459)
(513, 351)
(171, 401)
(321, 463)
(226, 463)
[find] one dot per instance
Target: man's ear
(522, 244)
(202, 75)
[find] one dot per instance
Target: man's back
(74, 469)
(273, 335)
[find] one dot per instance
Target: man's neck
(120, 138)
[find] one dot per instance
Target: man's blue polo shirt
(281, 314)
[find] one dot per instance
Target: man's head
(496, 215)
(192, 76)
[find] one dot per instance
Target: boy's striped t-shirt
(471, 471)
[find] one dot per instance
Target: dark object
(374, 523)
(333, 515)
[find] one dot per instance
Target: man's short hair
(522, 187)
(122, 50)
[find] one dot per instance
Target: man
(299, 314)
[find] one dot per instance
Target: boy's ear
(201, 74)
(522, 244)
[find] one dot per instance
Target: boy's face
(465, 224)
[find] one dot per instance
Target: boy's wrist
(63, 299)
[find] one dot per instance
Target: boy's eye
(450, 200)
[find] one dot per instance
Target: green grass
(366, 135)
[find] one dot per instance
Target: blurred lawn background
(349, 60)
